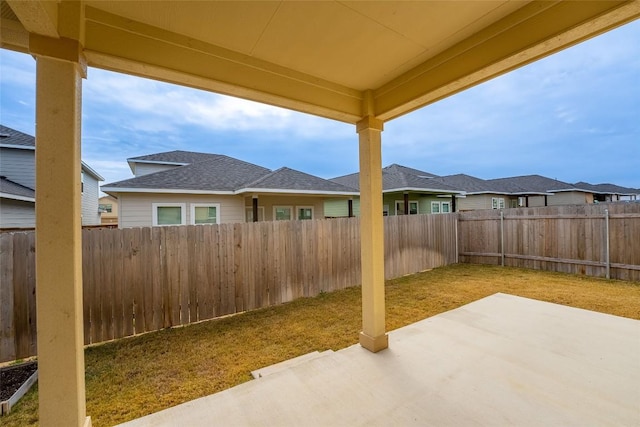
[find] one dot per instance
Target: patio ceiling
(338, 59)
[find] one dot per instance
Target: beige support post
(373, 336)
(61, 385)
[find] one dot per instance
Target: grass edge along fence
(601, 240)
(138, 280)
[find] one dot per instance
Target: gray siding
(136, 210)
(17, 214)
(90, 214)
(19, 166)
(147, 168)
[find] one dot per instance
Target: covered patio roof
(358, 62)
(325, 58)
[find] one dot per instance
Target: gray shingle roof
(291, 179)
(468, 183)
(14, 189)
(215, 173)
(218, 173)
(177, 156)
(398, 178)
(10, 136)
(529, 184)
(607, 188)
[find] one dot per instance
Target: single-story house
(404, 190)
(18, 182)
(183, 187)
(610, 192)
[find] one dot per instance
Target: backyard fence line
(139, 280)
(596, 240)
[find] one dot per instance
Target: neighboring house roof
(470, 184)
(11, 138)
(529, 184)
(296, 181)
(607, 189)
(218, 174)
(177, 157)
(15, 191)
(401, 178)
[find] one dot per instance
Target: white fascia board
(15, 197)
(532, 193)
(18, 147)
(498, 193)
(91, 171)
(423, 190)
(308, 192)
(458, 196)
(162, 190)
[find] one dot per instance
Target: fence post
(502, 236)
(456, 232)
(607, 260)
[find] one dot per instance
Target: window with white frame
(440, 207)
(249, 214)
(168, 213)
(497, 203)
(304, 212)
(282, 213)
(205, 213)
(413, 207)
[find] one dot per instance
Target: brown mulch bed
(12, 377)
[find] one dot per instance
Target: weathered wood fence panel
(143, 279)
(596, 240)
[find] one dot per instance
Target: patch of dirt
(12, 377)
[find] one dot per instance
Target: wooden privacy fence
(138, 280)
(600, 240)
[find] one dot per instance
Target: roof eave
(16, 197)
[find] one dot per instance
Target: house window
(106, 208)
(497, 203)
(413, 207)
(385, 210)
(282, 213)
(304, 212)
(82, 182)
(249, 214)
(205, 213)
(169, 213)
(440, 207)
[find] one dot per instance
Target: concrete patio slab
(502, 360)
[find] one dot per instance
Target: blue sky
(574, 116)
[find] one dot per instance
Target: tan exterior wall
(479, 201)
(136, 210)
(109, 217)
(269, 202)
(570, 198)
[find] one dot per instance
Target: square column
(61, 382)
(373, 336)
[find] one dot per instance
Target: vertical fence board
(8, 334)
(139, 280)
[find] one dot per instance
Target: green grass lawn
(132, 377)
